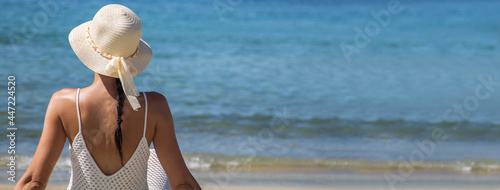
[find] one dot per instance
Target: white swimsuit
(141, 171)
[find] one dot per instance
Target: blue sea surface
(270, 78)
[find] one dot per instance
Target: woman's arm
(167, 149)
(48, 151)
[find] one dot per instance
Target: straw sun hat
(110, 44)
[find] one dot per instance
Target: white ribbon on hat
(125, 69)
(122, 67)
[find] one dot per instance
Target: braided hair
(118, 130)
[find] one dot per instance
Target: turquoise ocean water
(266, 84)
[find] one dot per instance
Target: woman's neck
(104, 82)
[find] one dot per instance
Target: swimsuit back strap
(145, 114)
(78, 110)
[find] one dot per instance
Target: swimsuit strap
(145, 114)
(78, 110)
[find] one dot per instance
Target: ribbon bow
(125, 70)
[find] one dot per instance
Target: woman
(110, 126)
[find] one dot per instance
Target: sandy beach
(246, 180)
(61, 187)
(312, 188)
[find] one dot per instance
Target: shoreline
(277, 180)
(225, 163)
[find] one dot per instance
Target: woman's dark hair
(119, 107)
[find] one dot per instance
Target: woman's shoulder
(62, 100)
(155, 97)
(65, 94)
(69, 94)
(157, 102)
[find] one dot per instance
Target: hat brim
(95, 61)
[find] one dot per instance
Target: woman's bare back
(98, 116)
